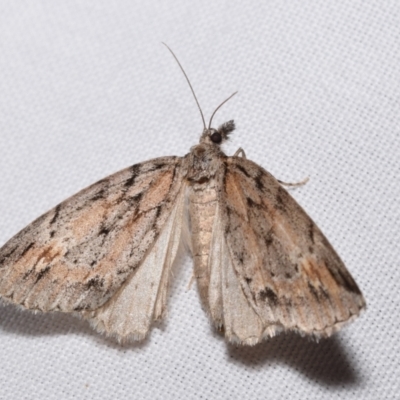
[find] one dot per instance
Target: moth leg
(189, 286)
(240, 152)
(301, 183)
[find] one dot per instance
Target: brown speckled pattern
(261, 264)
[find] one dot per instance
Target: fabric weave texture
(86, 89)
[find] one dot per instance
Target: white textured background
(86, 88)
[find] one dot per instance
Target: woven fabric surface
(86, 89)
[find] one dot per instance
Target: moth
(261, 264)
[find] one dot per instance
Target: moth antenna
(212, 116)
(190, 85)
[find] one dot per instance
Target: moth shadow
(325, 362)
(18, 321)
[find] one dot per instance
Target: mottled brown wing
(76, 256)
(288, 273)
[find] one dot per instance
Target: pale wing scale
(241, 322)
(142, 298)
(228, 306)
(76, 256)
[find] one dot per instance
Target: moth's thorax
(203, 162)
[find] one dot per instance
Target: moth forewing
(78, 255)
(289, 272)
(143, 297)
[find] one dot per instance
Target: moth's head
(218, 136)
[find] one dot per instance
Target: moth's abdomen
(202, 210)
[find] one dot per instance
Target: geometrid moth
(262, 266)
